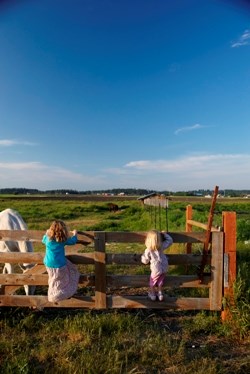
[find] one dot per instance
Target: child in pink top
(156, 242)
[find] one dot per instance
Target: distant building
(154, 199)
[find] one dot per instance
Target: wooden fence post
(100, 271)
(189, 213)
(215, 293)
(229, 226)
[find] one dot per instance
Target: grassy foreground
(118, 342)
(123, 341)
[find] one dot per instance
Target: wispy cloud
(43, 177)
(187, 172)
(197, 126)
(13, 142)
(191, 163)
(244, 39)
(194, 171)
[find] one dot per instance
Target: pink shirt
(157, 259)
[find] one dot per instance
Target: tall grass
(239, 305)
(116, 342)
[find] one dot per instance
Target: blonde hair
(153, 240)
(58, 231)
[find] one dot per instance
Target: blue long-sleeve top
(55, 251)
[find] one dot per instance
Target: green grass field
(127, 341)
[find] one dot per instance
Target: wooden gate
(102, 282)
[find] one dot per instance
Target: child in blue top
(63, 275)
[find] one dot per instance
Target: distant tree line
(125, 191)
(114, 191)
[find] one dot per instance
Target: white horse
(11, 220)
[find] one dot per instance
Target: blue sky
(98, 94)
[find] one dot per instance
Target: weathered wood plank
(39, 279)
(139, 237)
(100, 271)
(174, 281)
(208, 234)
(215, 293)
(82, 258)
(20, 258)
(41, 302)
(230, 227)
(88, 258)
(125, 237)
(189, 212)
(37, 257)
(115, 281)
(37, 269)
(37, 235)
(21, 279)
(204, 226)
(168, 303)
(135, 259)
(22, 235)
(86, 237)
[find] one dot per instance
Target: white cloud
(195, 171)
(13, 142)
(197, 126)
(43, 177)
(183, 173)
(191, 163)
(244, 39)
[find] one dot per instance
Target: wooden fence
(102, 282)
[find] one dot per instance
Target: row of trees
(125, 191)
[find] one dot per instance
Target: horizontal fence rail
(89, 236)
